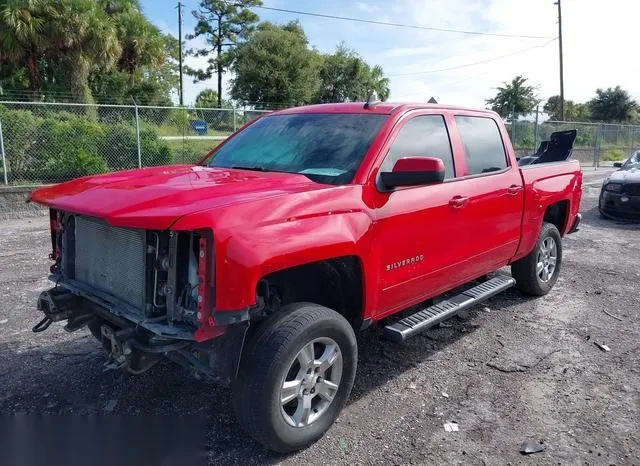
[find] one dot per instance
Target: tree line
(611, 105)
(274, 65)
(108, 51)
(84, 51)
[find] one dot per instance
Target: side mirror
(413, 171)
(617, 164)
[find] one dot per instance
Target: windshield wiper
(256, 169)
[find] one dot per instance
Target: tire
(529, 279)
(273, 356)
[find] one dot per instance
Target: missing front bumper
(134, 347)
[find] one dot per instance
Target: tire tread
(524, 270)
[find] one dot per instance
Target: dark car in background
(620, 193)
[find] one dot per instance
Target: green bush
(74, 149)
(62, 146)
(20, 130)
(154, 151)
(120, 149)
(613, 155)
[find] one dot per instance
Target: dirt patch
(512, 370)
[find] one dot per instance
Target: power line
(475, 63)
(409, 26)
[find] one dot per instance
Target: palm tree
(22, 38)
(73, 34)
(380, 83)
(82, 36)
(142, 43)
(208, 98)
(514, 98)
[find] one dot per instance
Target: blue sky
(597, 41)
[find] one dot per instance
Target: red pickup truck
(256, 265)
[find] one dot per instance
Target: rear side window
(424, 136)
(483, 147)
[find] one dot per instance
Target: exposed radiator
(111, 259)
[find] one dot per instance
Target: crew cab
(257, 265)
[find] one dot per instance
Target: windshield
(633, 162)
(327, 148)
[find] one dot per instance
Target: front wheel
(295, 376)
(537, 272)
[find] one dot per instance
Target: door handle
(458, 202)
(514, 189)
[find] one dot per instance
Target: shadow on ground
(68, 378)
(593, 218)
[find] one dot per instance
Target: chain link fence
(53, 142)
(596, 144)
(48, 142)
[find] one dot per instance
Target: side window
(483, 147)
(425, 136)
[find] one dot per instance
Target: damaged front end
(143, 294)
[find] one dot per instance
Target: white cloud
(366, 7)
(598, 50)
(411, 51)
(598, 46)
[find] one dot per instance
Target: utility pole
(561, 64)
(180, 49)
(535, 130)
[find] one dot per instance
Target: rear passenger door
(492, 194)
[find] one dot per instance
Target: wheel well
(335, 283)
(557, 214)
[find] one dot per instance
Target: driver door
(418, 227)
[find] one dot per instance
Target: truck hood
(154, 198)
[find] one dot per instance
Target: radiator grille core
(111, 259)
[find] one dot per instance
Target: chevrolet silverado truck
(256, 265)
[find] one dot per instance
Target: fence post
(599, 135)
(535, 131)
(234, 120)
(4, 161)
(135, 107)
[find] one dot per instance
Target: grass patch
(614, 156)
(190, 151)
(172, 130)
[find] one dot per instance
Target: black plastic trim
(576, 223)
(231, 317)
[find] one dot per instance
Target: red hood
(154, 198)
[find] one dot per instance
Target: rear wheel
(295, 376)
(537, 272)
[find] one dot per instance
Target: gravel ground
(512, 370)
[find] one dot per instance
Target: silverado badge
(404, 262)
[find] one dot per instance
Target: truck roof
(383, 108)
